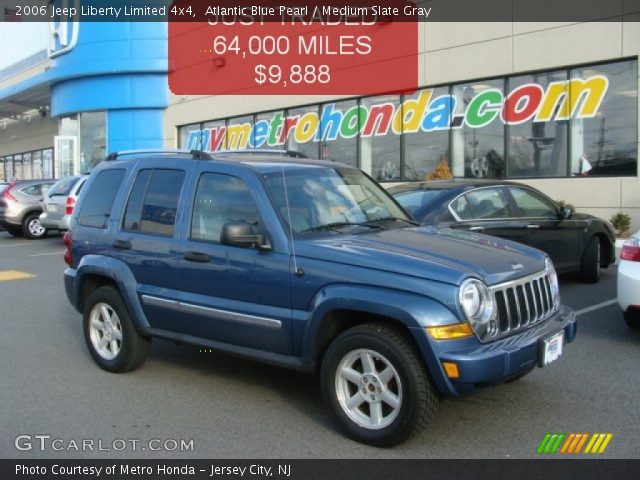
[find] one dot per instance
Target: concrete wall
(21, 137)
(453, 52)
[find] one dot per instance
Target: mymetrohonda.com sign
(561, 100)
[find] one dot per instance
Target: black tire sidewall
(111, 297)
(589, 268)
(402, 425)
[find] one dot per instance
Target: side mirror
(241, 234)
(566, 212)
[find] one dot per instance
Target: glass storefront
(578, 121)
(27, 165)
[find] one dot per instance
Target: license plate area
(551, 348)
(52, 208)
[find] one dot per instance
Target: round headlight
(476, 301)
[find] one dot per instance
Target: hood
(443, 255)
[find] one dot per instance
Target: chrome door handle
(533, 226)
(476, 229)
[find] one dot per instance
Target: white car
(629, 281)
(59, 201)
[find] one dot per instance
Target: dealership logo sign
(574, 443)
(561, 100)
(63, 31)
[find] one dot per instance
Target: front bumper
(484, 365)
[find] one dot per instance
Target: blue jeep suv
(309, 265)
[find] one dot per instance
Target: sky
(21, 40)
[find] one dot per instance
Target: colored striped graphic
(573, 443)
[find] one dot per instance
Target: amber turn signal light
(450, 332)
(451, 369)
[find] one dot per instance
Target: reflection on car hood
(444, 255)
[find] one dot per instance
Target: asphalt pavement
(231, 408)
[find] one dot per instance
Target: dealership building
(553, 105)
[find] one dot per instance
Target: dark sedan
(575, 241)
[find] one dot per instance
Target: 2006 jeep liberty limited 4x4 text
(309, 265)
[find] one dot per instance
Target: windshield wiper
(337, 225)
(394, 219)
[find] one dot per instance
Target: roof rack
(268, 151)
(195, 154)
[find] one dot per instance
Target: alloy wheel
(368, 389)
(105, 331)
(35, 228)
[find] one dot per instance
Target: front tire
(590, 263)
(632, 318)
(376, 386)
(110, 335)
(31, 227)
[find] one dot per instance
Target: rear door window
(33, 190)
(488, 203)
(532, 205)
(96, 206)
(153, 202)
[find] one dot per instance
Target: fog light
(449, 332)
(451, 369)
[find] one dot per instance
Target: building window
(424, 147)
(557, 123)
(27, 166)
(8, 168)
(538, 148)
(379, 143)
(605, 143)
(338, 130)
(37, 165)
(477, 139)
(190, 137)
(47, 163)
(239, 132)
(93, 140)
(270, 130)
(304, 139)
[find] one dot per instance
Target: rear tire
(31, 227)
(590, 264)
(111, 337)
(376, 385)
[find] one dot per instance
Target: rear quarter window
(98, 201)
(414, 200)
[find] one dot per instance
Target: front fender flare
(409, 309)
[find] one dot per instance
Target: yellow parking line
(14, 275)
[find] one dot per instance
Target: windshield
(414, 200)
(333, 199)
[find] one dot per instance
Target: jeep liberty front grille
(523, 303)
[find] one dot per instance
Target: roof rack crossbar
(196, 154)
(274, 151)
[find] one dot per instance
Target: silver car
(20, 207)
(58, 203)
